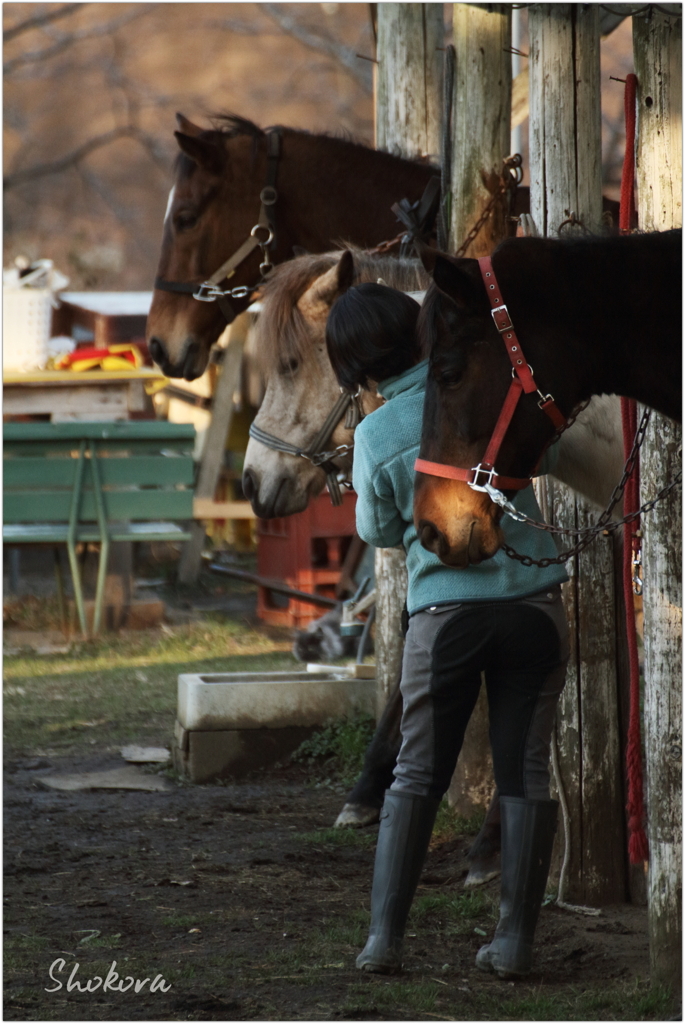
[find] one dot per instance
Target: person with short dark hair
(499, 619)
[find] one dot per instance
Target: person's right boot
(528, 828)
(406, 826)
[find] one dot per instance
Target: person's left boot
(528, 828)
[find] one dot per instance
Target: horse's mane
(282, 333)
(231, 126)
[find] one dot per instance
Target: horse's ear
(427, 255)
(202, 151)
(455, 279)
(187, 127)
(321, 294)
(345, 271)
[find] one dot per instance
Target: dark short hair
(371, 334)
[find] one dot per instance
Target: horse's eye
(289, 365)
(186, 220)
(450, 377)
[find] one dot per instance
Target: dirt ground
(252, 908)
(240, 901)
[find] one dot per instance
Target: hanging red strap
(638, 849)
(627, 217)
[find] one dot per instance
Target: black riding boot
(528, 828)
(406, 826)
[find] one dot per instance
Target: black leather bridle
(315, 453)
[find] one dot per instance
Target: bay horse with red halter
(514, 345)
(242, 200)
(301, 391)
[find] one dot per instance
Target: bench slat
(146, 430)
(54, 506)
(148, 470)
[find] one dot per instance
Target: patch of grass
(451, 825)
(123, 688)
(635, 1000)
(455, 913)
(339, 747)
(354, 837)
(379, 993)
(181, 920)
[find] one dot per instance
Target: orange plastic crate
(306, 551)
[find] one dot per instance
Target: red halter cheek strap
(483, 475)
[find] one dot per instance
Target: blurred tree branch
(67, 40)
(74, 158)
(310, 37)
(41, 19)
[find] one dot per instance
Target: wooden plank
(146, 471)
(21, 474)
(215, 444)
(657, 46)
(41, 506)
(84, 379)
(138, 430)
(207, 508)
(96, 400)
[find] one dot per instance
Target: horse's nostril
(429, 535)
(249, 485)
(156, 349)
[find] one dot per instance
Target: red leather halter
(483, 475)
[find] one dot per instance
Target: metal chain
(510, 177)
(603, 525)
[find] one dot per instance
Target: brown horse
(586, 316)
(301, 390)
(325, 189)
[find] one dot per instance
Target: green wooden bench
(74, 483)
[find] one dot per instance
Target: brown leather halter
(484, 477)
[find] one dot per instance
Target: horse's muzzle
(188, 367)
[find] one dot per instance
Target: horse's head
(468, 379)
(301, 389)
(213, 206)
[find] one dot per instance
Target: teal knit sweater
(386, 444)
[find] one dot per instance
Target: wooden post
(409, 79)
(565, 177)
(481, 118)
(657, 43)
(408, 117)
(215, 443)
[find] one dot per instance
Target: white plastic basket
(26, 323)
(27, 315)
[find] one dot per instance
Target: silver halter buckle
(490, 474)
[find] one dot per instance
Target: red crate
(306, 551)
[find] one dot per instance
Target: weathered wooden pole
(408, 119)
(409, 79)
(657, 44)
(481, 136)
(565, 187)
(481, 118)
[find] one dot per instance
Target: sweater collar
(412, 380)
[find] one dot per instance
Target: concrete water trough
(233, 722)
